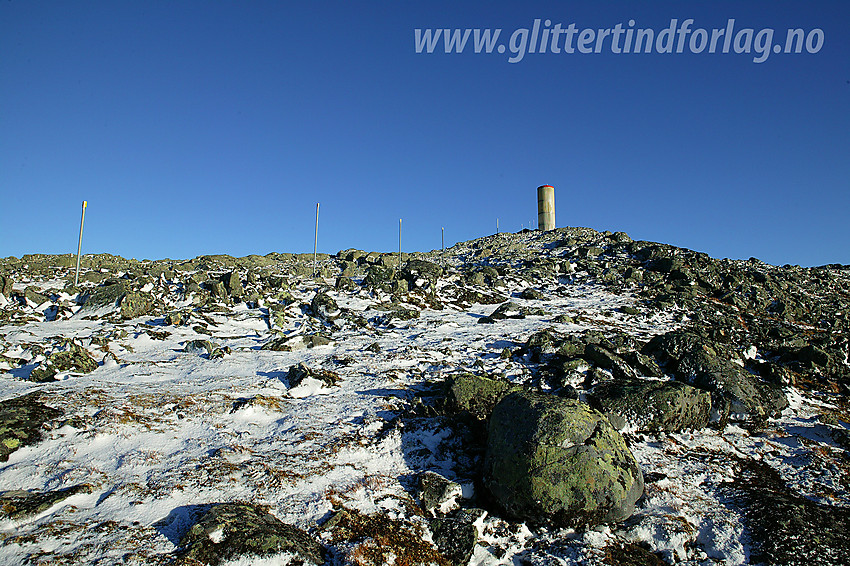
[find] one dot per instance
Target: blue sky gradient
(215, 127)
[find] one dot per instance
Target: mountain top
(229, 408)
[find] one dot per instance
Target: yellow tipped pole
(80, 244)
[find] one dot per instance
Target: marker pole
(316, 240)
(80, 244)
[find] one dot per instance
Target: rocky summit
(541, 398)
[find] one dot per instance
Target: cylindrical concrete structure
(546, 207)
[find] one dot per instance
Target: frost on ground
(196, 398)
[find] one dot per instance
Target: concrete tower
(546, 207)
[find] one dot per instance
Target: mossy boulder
(476, 395)
(136, 304)
(557, 461)
(377, 275)
(233, 285)
(75, 359)
(21, 420)
(421, 274)
(233, 530)
(652, 405)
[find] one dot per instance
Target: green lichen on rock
(652, 405)
(21, 420)
(477, 395)
(558, 461)
(107, 294)
(20, 504)
(709, 365)
(135, 304)
(232, 530)
(75, 359)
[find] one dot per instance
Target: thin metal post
(497, 225)
(399, 244)
(80, 244)
(316, 240)
(443, 245)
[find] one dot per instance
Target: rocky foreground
(562, 397)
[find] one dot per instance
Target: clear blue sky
(215, 127)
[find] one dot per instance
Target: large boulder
(135, 304)
(378, 276)
(421, 274)
(239, 530)
(233, 285)
(652, 405)
(735, 392)
(106, 295)
(558, 461)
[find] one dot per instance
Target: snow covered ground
(157, 433)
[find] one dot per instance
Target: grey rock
(508, 310)
(107, 294)
(6, 284)
(233, 285)
(605, 359)
(377, 275)
(455, 539)
(294, 343)
(212, 349)
(421, 274)
(135, 304)
(652, 406)
(298, 373)
(699, 362)
(532, 294)
(344, 283)
(437, 494)
(324, 307)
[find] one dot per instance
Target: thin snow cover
(159, 433)
(217, 535)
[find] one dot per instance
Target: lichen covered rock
(233, 530)
(652, 405)
(75, 359)
(21, 420)
(560, 462)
